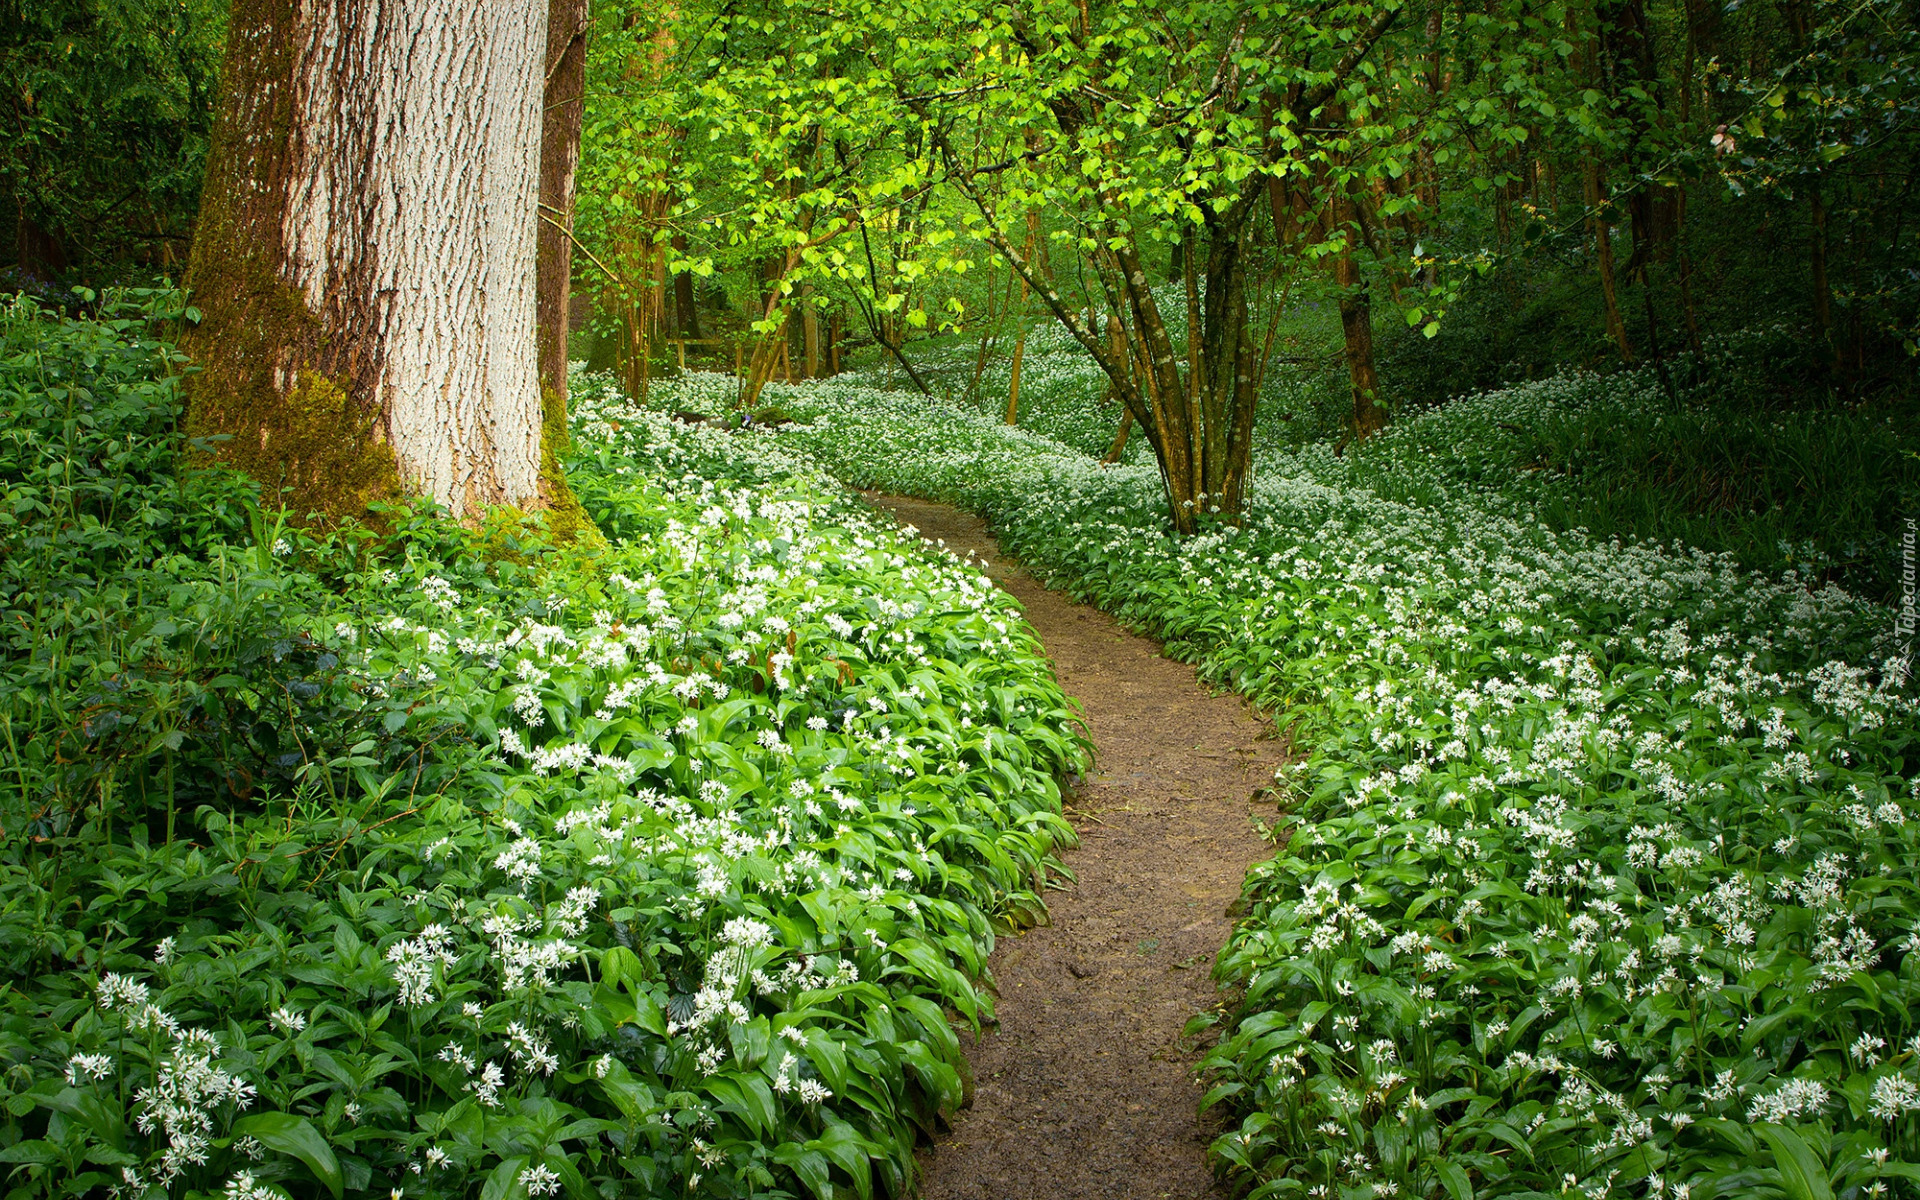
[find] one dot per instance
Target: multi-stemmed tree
(1252, 143)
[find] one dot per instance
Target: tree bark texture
(366, 251)
(565, 103)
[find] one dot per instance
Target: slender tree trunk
(1020, 339)
(810, 332)
(1119, 446)
(1201, 434)
(1822, 285)
(1631, 77)
(1356, 327)
(1013, 380)
(1603, 256)
(1356, 319)
(995, 319)
(566, 91)
(365, 255)
(769, 350)
(686, 306)
(1116, 346)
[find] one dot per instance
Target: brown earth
(1085, 1089)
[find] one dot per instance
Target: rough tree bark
(1595, 192)
(365, 253)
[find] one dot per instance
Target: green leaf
(851, 1153)
(296, 1136)
(504, 1183)
(809, 1165)
(1802, 1174)
(747, 1095)
(1455, 1180)
(89, 1110)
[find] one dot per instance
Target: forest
(966, 599)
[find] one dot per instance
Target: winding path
(1085, 1090)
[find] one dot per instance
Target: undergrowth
(456, 863)
(1729, 451)
(1602, 876)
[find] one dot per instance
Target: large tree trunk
(566, 93)
(365, 255)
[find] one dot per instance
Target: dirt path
(1085, 1089)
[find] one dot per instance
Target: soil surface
(1086, 1087)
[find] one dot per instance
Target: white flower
(118, 991)
(812, 1091)
(439, 593)
(1893, 1097)
(486, 1089)
(530, 1051)
(540, 1180)
(88, 1068)
(1794, 1098)
(746, 933)
(413, 960)
(1866, 1049)
(243, 1187)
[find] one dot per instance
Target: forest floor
(1085, 1088)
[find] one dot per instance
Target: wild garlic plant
(700, 843)
(1600, 878)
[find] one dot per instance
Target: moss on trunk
(566, 520)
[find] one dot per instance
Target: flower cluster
(1599, 875)
(652, 867)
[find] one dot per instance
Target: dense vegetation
(1516, 401)
(103, 135)
(454, 862)
(1598, 876)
